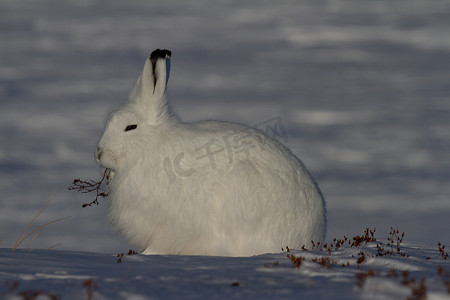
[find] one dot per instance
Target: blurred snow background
(363, 89)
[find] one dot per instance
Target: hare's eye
(130, 127)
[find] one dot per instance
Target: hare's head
(128, 127)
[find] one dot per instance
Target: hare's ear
(151, 85)
(160, 60)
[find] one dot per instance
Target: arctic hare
(207, 188)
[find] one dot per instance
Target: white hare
(207, 188)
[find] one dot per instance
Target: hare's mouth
(106, 159)
(109, 175)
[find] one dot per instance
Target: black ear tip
(158, 53)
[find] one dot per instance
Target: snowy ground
(361, 87)
(343, 273)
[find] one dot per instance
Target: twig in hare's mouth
(91, 186)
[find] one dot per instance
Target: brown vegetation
(89, 186)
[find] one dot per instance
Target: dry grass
(442, 250)
(121, 255)
(393, 247)
(28, 294)
(90, 286)
(35, 232)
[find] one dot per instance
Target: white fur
(169, 197)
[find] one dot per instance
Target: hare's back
(245, 142)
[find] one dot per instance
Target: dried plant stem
(36, 231)
(55, 245)
(18, 243)
(32, 239)
(85, 187)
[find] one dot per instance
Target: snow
(63, 273)
(362, 89)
